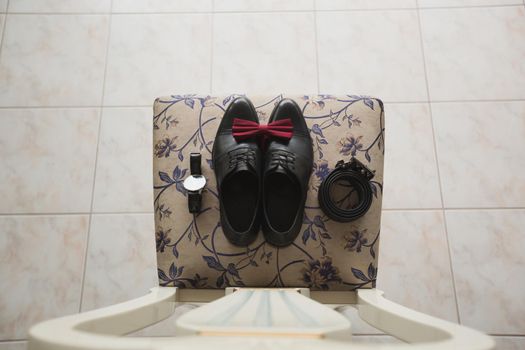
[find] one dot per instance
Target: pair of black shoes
(262, 174)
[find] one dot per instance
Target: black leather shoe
(237, 167)
(287, 168)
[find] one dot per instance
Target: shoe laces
(283, 158)
(244, 156)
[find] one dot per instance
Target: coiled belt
(354, 176)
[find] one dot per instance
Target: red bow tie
(243, 129)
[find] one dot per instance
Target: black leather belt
(340, 185)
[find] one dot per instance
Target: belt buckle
(356, 165)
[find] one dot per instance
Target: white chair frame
(104, 328)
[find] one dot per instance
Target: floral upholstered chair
(260, 296)
(192, 252)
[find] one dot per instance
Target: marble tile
(487, 255)
(2, 20)
(411, 177)
(364, 4)
(153, 55)
(460, 3)
(41, 260)
(248, 58)
(480, 151)
(17, 345)
(475, 53)
(263, 5)
(48, 159)
(414, 265)
(53, 60)
(121, 262)
(123, 177)
(510, 343)
(148, 6)
(374, 53)
(3, 6)
(59, 6)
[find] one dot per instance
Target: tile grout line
(316, 43)
(421, 43)
(86, 252)
(175, 12)
(148, 106)
(467, 6)
(4, 27)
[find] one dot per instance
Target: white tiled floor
(60, 6)
(487, 252)
(121, 261)
(41, 269)
(2, 20)
(154, 53)
(123, 181)
(472, 141)
(373, 55)
(77, 80)
(149, 6)
(252, 60)
(263, 5)
(53, 60)
(411, 177)
(414, 265)
(475, 53)
(364, 4)
(15, 345)
(48, 158)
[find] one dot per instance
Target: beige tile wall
(77, 80)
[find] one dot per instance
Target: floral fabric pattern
(192, 251)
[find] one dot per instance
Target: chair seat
(192, 251)
(278, 312)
